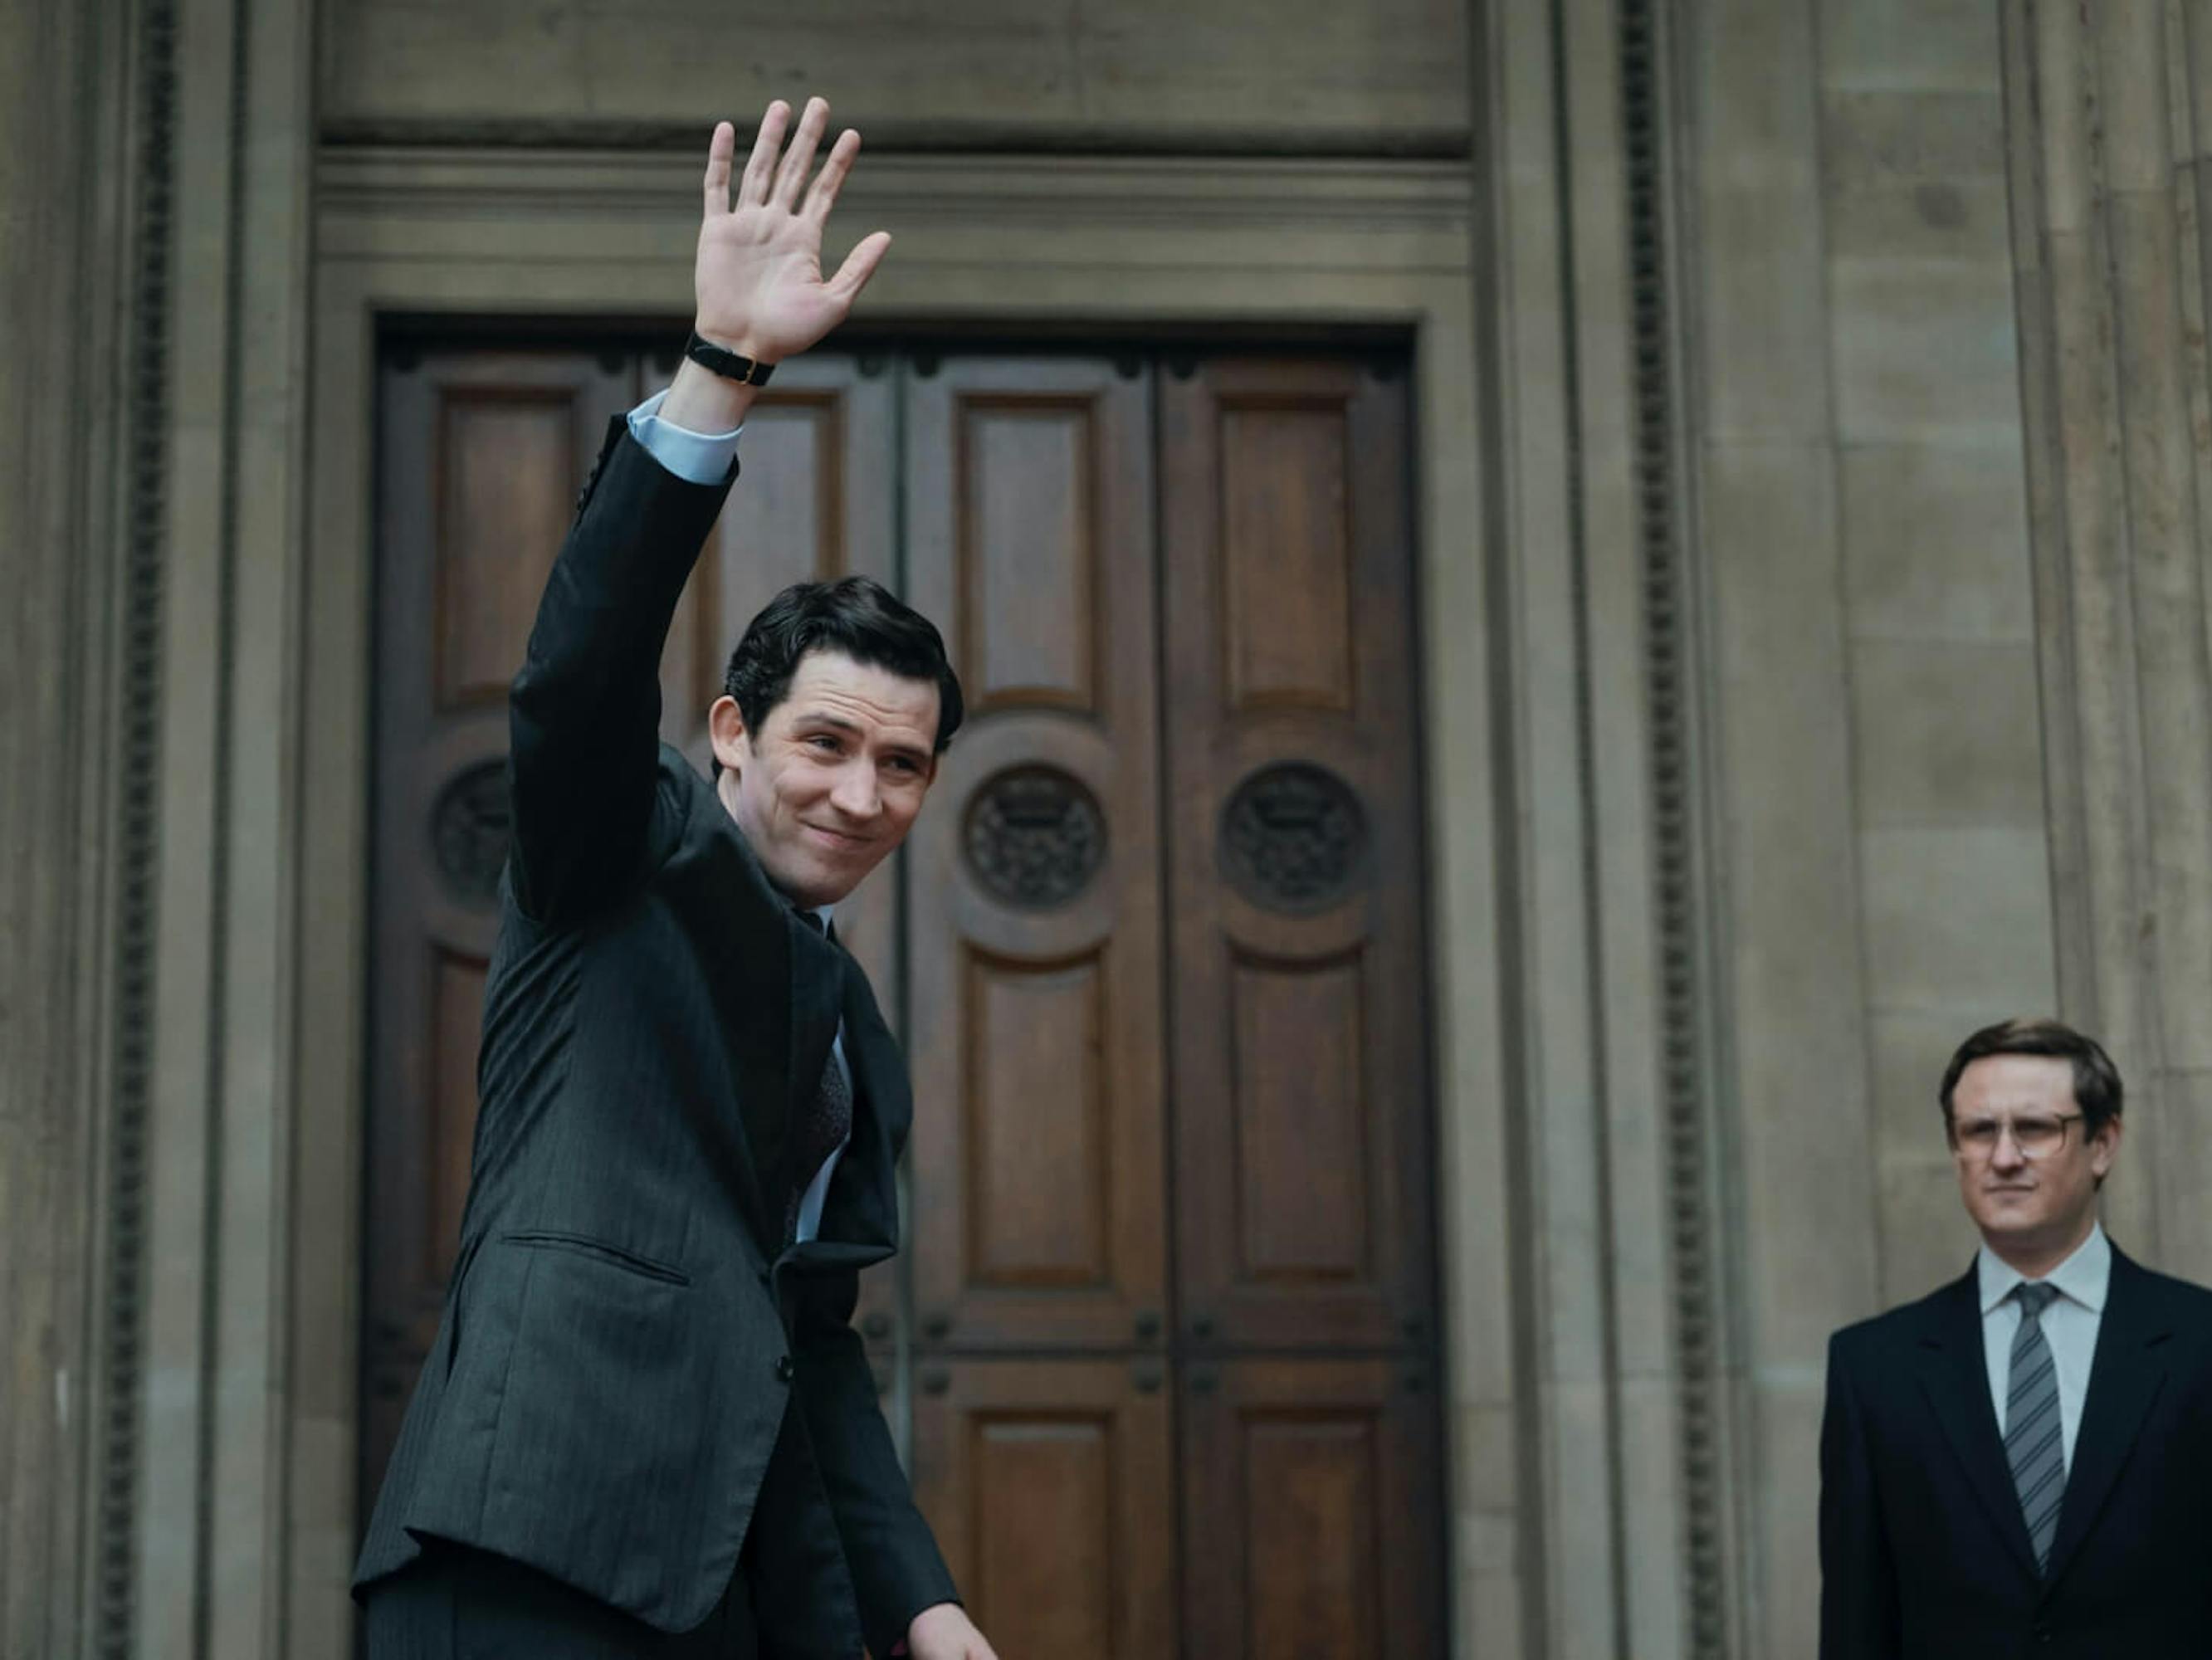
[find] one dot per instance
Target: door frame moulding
(1117, 244)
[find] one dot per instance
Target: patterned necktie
(823, 1127)
(2034, 1442)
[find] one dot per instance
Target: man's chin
(814, 885)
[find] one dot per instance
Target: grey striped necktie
(2035, 1444)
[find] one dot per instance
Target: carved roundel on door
(1035, 836)
(1293, 837)
(470, 829)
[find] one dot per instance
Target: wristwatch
(749, 371)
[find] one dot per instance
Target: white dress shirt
(698, 458)
(704, 458)
(2069, 1325)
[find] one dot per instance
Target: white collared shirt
(698, 458)
(2069, 1325)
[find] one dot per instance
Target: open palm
(759, 278)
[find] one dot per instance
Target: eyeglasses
(2036, 1138)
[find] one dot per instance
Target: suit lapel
(1954, 1377)
(722, 892)
(2125, 1378)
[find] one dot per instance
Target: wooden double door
(1163, 1348)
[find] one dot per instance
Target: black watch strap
(749, 370)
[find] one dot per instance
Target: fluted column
(2107, 110)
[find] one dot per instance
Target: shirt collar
(2084, 1277)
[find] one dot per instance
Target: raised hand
(758, 278)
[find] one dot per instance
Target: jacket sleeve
(584, 714)
(896, 1568)
(1858, 1575)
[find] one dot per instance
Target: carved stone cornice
(1070, 191)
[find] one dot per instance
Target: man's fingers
(760, 166)
(823, 194)
(720, 149)
(860, 265)
(798, 160)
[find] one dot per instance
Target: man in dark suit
(2021, 1464)
(646, 1428)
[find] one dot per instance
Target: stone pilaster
(65, 190)
(2107, 116)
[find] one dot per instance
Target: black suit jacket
(625, 1329)
(1924, 1551)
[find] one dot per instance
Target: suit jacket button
(784, 1369)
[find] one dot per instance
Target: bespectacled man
(2018, 1464)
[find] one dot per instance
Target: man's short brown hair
(2096, 1079)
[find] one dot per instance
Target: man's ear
(2105, 1148)
(726, 726)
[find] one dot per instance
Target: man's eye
(827, 745)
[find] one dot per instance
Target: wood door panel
(1286, 579)
(1297, 1110)
(480, 455)
(1039, 1199)
(1299, 1064)
(1026, 548)
(1049, 1485)
(1310, 1509)
(1038, 1168)
(501, 453)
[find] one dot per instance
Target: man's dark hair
(2096, 1079)
(855, 616)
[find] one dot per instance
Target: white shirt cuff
(698, 458)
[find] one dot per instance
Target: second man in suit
(2021, 1463)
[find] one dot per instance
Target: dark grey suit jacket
(626, 1328)
(1924, 1551)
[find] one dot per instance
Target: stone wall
(65, 228)
(2109, 120)
(1384, 77)
(1938, 596)
(1948, 292)
(1881, 865)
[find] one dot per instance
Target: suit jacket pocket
(634, 1429)
(584, 1244)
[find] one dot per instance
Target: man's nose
(2006, 1155)
(856, 796)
